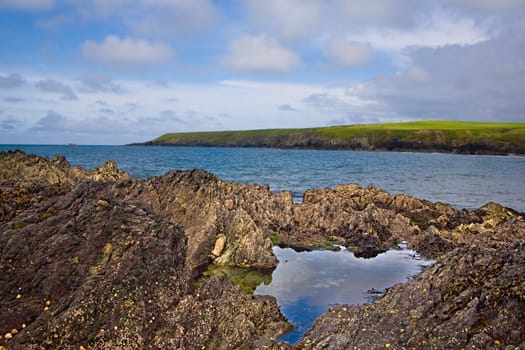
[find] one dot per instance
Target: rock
(220, 242)
(108, 276)
(202, 203)
(432, 243)
(469, 298)
(24, 168)
(116, 259)
(108, 283)
(220, 316)
(102, 203)
(368, 252)
(25, 179)
(251, 248)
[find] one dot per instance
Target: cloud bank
(146, 67)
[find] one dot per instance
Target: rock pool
(306, 284)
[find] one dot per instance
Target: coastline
(420, 136)
(481, 151)
(112, 253)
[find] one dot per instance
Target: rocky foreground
(95, 260)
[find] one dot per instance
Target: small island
(419, 136)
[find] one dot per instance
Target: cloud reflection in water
(305, 284)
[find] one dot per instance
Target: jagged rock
(219, 316)
(248, 246)
(84, 266)
(96, 259)
(207, 206)
(472, 298)
(432, 243)
(23, 168)
(27, 179)
(82, 279)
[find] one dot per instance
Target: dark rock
(27, 179)
(84, 266)
(368, 252)
(103, 285)
(219, 316)
(432, 243)
(472, 298)
(96, 259)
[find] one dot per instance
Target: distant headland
(419, 136)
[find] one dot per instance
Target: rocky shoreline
(486, 149)
(95, 259)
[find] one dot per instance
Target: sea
(464, 181)
(306, 284)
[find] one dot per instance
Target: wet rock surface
(96, 259)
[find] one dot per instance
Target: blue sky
(120, 71)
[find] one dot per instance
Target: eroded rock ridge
(99, 260)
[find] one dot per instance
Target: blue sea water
(464, 181)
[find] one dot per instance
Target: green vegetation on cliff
(441, 136)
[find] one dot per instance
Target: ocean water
(464, 181)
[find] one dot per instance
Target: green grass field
(444, 135)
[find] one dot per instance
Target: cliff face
(422, 136)
(93, 258)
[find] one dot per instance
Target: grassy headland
(429, 136)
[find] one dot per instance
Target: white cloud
(31, 5)
(437, 31)
(259, 53)
(127, 50)
(488, 5)
(417, 73)
(374, 12)
(165, 19)
(291, 19)
(98, 83)
(54, 86)
(347, 53)
(477, 82)
(11, 81)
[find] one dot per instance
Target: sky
(122, 71)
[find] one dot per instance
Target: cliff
(427, 136)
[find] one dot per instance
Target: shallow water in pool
(306, 284)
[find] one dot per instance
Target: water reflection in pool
(306, 284)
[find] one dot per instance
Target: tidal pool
(306, 284)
